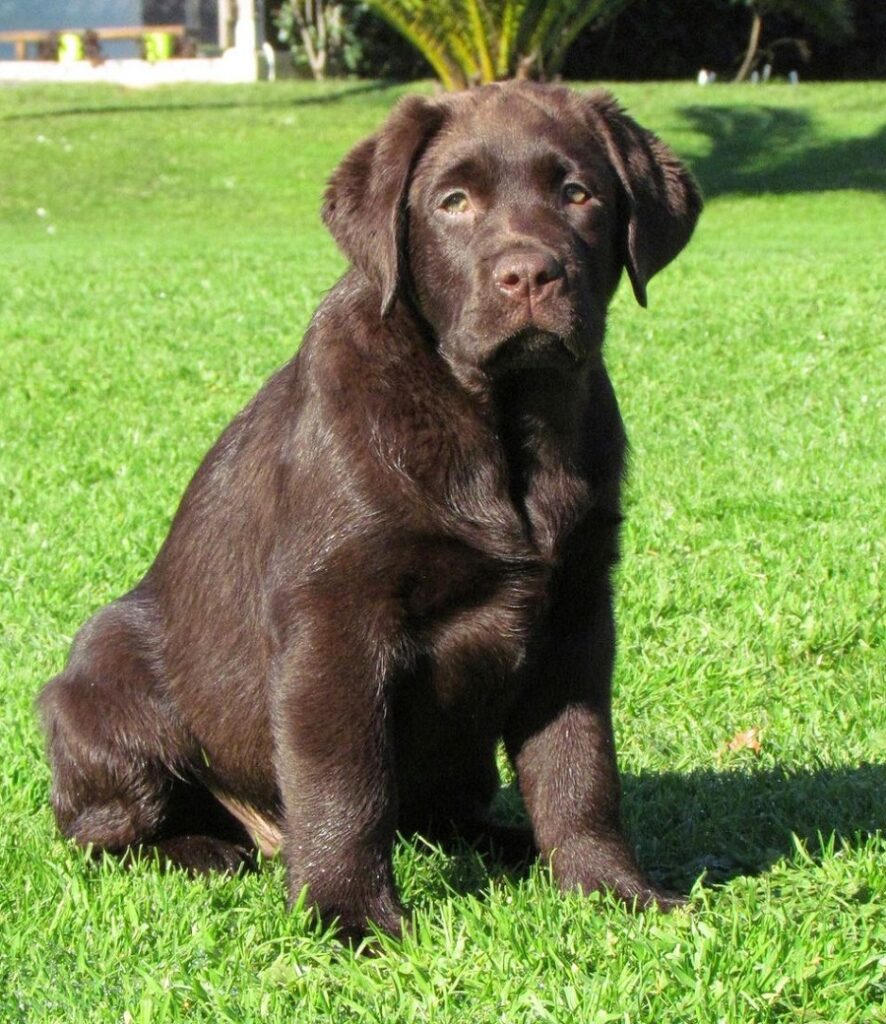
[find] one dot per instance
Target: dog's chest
(485, 509)
(478, 594)
(471, 622)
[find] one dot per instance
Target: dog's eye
(456, 202)
(575, 193)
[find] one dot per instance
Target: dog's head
(506, 215)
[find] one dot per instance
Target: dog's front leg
(560, 740)
(336, 772)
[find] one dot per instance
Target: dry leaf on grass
(745, 739)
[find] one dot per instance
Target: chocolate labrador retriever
(399, 553)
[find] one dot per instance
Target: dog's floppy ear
(662, 200)
(365, 202)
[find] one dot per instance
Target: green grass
(177, 260)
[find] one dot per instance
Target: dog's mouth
(532, 348)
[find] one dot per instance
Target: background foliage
(367, 46)
(826, 19)
(660, 39)
(469, 42)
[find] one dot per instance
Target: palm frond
(472, 41)
(512, 16)
(409, 19)
(481, 33)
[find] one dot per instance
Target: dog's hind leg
(121, 762)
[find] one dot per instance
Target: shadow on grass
(718, 824)
(773, 149)
(263, 102)
(724, 824)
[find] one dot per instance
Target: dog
(399, 553)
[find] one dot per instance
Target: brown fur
(399, 553)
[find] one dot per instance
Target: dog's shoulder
(378, 384)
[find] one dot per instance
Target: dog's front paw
(593, 863)
(353, 928)
(654, 898)
(353, 916)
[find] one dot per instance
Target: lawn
(161, 253)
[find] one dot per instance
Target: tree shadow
(234, 102)
(773, 149)
(718, 825)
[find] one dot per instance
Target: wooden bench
(21, 37)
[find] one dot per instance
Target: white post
(242, 58)
(224, 24)
(244, 28)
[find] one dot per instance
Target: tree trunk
(753, 43)
(314, 16)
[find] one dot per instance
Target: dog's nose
(531, 276)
